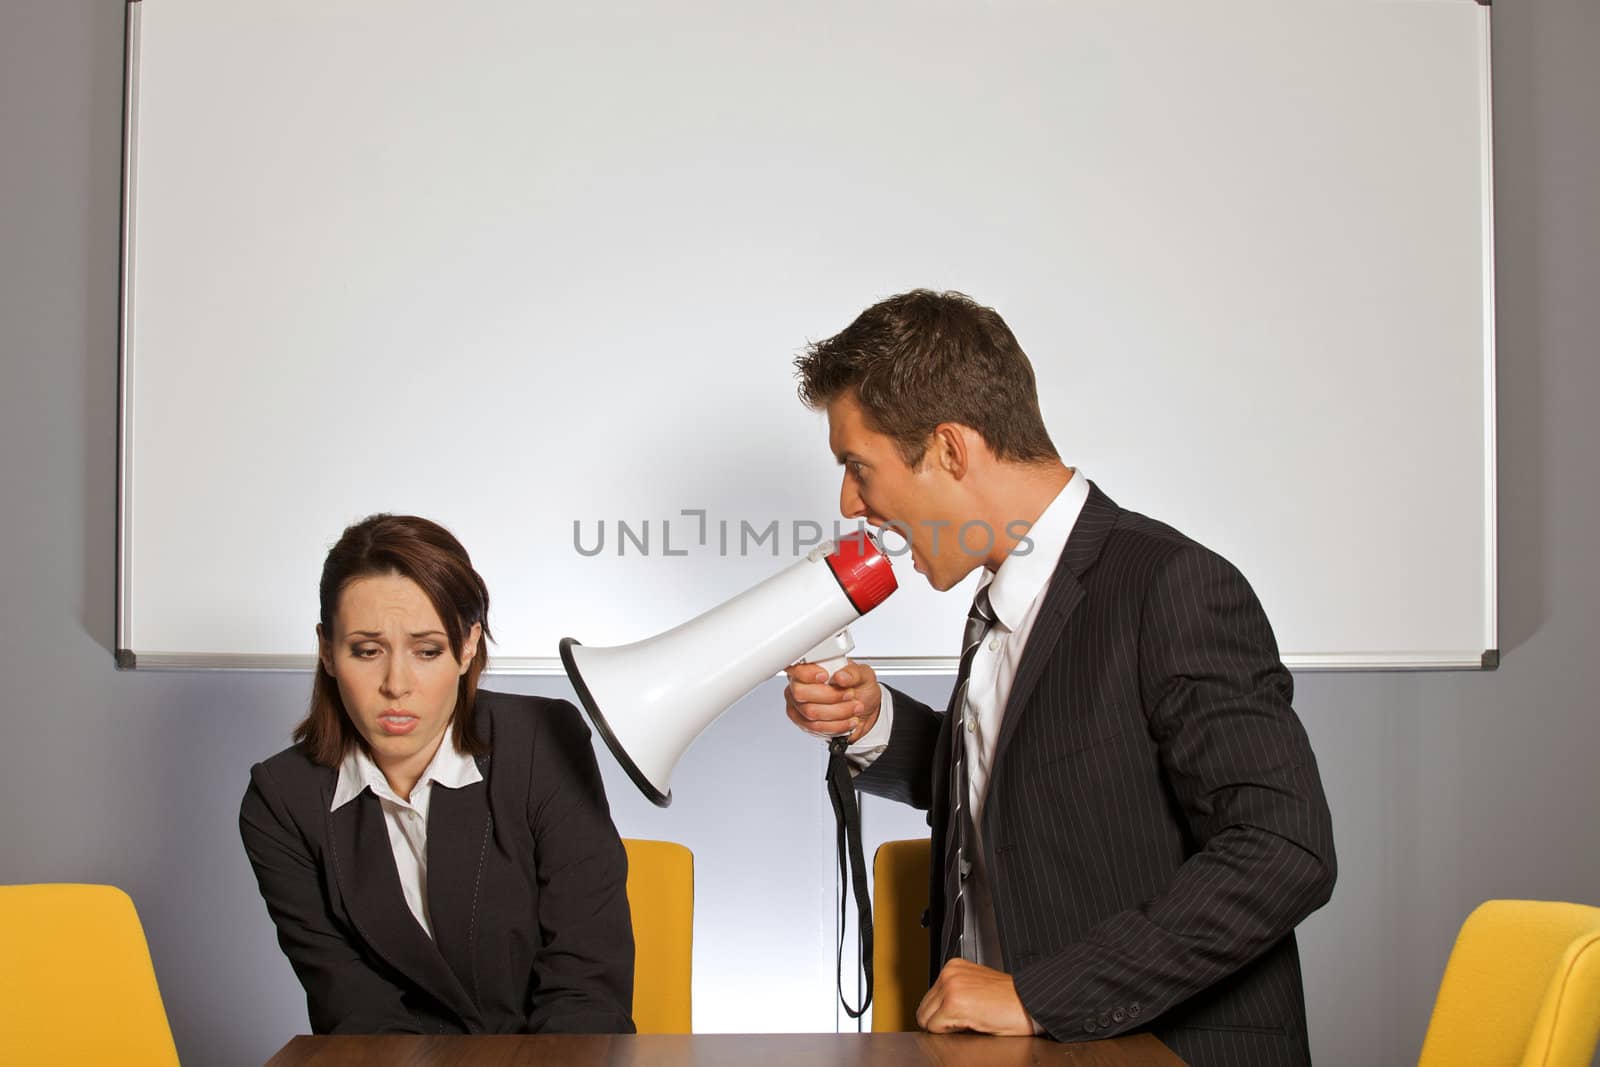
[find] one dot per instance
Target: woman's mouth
(396, 723)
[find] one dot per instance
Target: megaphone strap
(852, 872)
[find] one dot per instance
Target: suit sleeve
(1243, 776)
(904, 770)
(583, 980)
(345, 992)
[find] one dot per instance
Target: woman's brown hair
(429, 555)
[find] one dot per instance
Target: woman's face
(391, 658)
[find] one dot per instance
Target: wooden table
(719, 1050)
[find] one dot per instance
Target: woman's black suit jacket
(526, 889)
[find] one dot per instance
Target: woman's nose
(397, 679)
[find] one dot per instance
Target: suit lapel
(370, 885)
(458, 834)
(1066, 592)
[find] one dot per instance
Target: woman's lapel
(369, 884)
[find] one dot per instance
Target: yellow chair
(76, 984)
(1522, 988)
(661, 897)
(899, 940)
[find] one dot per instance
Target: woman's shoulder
(532, 732)
(515, 715)
(288, 794)
(291, 774)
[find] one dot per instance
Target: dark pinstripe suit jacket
(1154, 826)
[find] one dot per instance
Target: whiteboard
(527, 267)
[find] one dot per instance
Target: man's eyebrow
(846, 457)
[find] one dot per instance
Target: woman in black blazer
(437, 859)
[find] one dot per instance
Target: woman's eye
(367, 652)
(430, 653)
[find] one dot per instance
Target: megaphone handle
(832, 654)
(832, 666)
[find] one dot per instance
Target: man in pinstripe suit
(1132, 822)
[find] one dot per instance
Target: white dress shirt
(407, 820)
(1016, 592)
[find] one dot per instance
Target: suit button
(1089, 1027)
(1118, 1016)
(1134, 1009)
(1105, 1022)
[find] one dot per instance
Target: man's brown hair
(922, 358)
(429, 555)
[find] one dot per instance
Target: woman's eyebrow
(379, 633)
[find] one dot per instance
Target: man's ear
(950, 449)
(469, 647)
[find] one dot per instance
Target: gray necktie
(979, 620)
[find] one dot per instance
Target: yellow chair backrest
(76, 984)
(661, 897)
(899, 940)
(1522, 988)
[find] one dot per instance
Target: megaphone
(651, 699)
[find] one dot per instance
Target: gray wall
(1447, 788)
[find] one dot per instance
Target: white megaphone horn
(651, 699)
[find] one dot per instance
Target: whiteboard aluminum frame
(125, 656)
(891, 666)
(1491, 489)
(1487, 658)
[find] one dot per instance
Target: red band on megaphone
(863, 571)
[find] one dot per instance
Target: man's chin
(948, 580)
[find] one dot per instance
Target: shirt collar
(1023, 578)
(450, 767)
